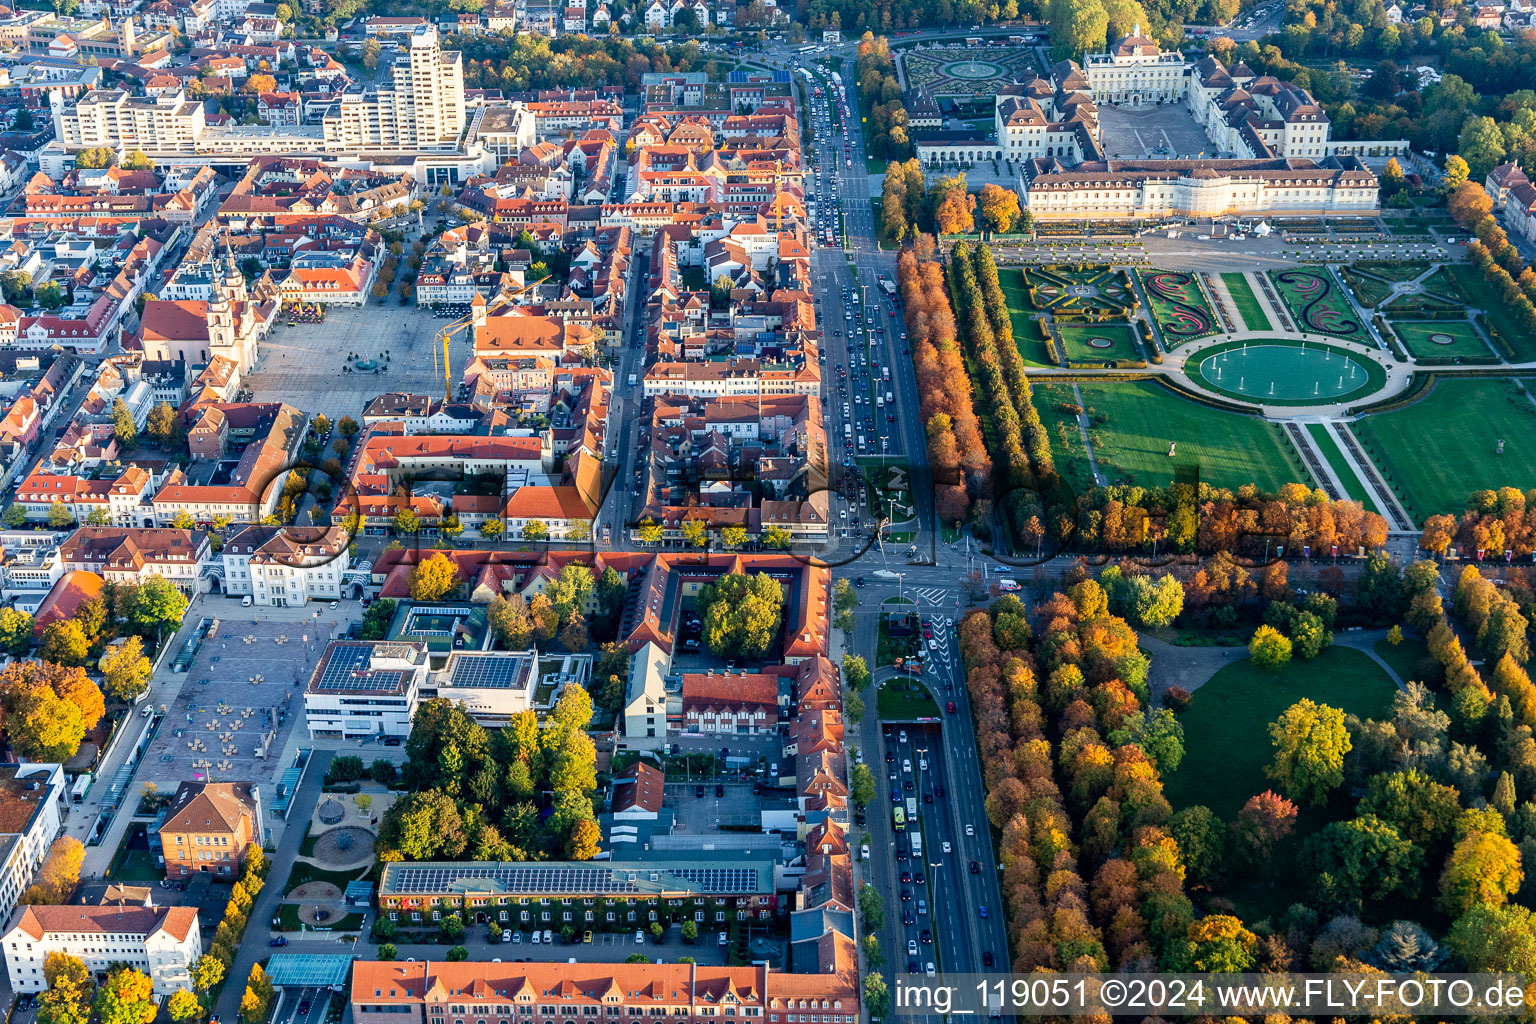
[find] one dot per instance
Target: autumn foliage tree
(956, 453)
(48, 709)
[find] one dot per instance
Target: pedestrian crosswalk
(932, 595)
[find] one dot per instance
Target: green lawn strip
(1133, 421)
(1077, 339)
(1340, 465)
(1066, 436)
(1405, 658)
(1246, 302)
(1226, 728)
(1443, 283)
(1480, 294)
(1393, 271)
(903, 699)
(1441, 448)
(1417, 336)
(1026, 332)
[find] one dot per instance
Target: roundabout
(1284, 372)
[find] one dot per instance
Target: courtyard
(1169, 132)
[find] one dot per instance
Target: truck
(912, 809)
(889, 287)
(917, 845)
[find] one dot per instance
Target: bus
(899, 817)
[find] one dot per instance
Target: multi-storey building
(163, 942)
(612, 895)
(208, 827)
(130, 556)
(362, 688)
(169, 123)
(286, 566)
(421, 107)
(32, 802)
(543, 993)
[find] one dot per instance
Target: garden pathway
(1365, 472)
(1364, 641)
(1189, 667)
(1082, 426)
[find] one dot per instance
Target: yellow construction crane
(446, 334)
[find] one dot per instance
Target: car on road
(949, 706)
(719, 790)
(281, 940)
(947, 848)
(986, 958)
(982, 910)
(906, 877)
(698, 792)
(970, 830)
(975, 867)
(906, 895)
(927, 937)
(911, 947)
(303, 1007)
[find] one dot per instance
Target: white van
(245, 602)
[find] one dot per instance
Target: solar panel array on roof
(346, 668)
(492, 671)
(573, 880)
(745, 77)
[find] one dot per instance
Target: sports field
(1097, 343)
(1132, 422)
(1317, 302)
(1247, 303)
(1441, 448)
(1284, 371)
(1443, 338)
(1026, 333)
(1178, 305)
(1226, 728)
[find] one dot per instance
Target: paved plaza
(302, 365)
(241, 699)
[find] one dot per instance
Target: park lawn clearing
(1131, 423)
(1098, 343)
(1247, 303)
(1179, 306)
(1405, 658)
(1444, 339)
(1317, 302)
(1226, 728)
(1340, 466)
(1026, 332)
(1393, 271)
(1066, 436)
(1438, 450)
(1480, 295)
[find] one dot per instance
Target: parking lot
(303, 365)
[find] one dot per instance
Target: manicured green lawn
(1441, 448)
(1226, 728)
(1317, 302)
(1394, 271)
(1026, 333)
(1405, 658)
(1371, 291)
(1066, 438)
(1340, 465)
(1426, 339)
(903, 699)
(1246, 302)
(1096, 343)
(1141, 417)
(1480, 295)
